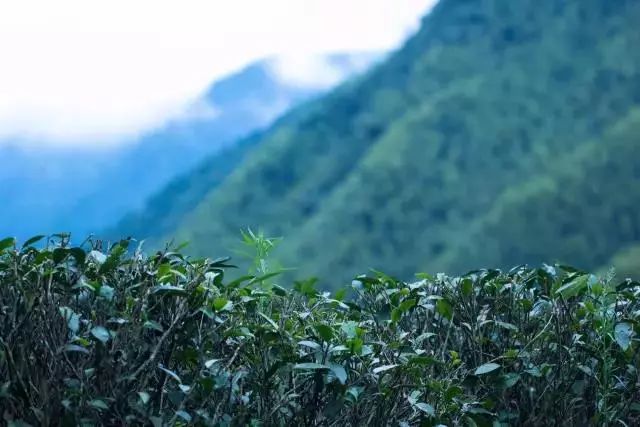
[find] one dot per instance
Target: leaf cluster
(96, 335)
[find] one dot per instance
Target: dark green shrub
(93, 336)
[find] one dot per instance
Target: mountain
(503, 132)
(56, 189)
(626, 262)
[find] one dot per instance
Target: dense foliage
(93, 336)
(595, 185)
(489, 100)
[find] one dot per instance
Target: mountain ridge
(390, 168)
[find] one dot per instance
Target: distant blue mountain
(56, 189)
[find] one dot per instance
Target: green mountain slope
(392, 170)
(164, 211)
(626, 262)
(582, 210)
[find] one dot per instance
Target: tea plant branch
(538, 334)
(285, 398)
(158, 346)
(446, 339)
(12, 367)
(17, 327)
(235, 355)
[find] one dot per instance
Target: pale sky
(79, 70)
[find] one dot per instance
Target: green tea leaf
(169, 290)
(144, 397)
(349, 328)
(453, 392)
(152, 324)
(624, 333)
(407, 305)
(506, 325)
(270, 320)
(444, 309)
(106, 292)
(98, 404)
(486, 368)
(222, 304)
(184, 415)
(209, 363)
(6, 244)
(101, 333)
(79, 255)
(113, 260)
(59, 254)
(72, 318)
(71, 348)
(426, 408)
(170, 373)
(32, 240)
(325, 331)
(383, 368)
(339, 371)
(396, 315)
(574, 287)
(310, 366)
(466, 287)
(510, 379)
(311, 344)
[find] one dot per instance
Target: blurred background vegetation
(501, 133)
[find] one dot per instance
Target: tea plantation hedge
(93, 335)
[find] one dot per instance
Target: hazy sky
(74, 70)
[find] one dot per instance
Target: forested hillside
(502, 133)
(587, 200)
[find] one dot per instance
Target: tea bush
(95, 335)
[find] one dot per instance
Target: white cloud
(316, 70)
(90, 70)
